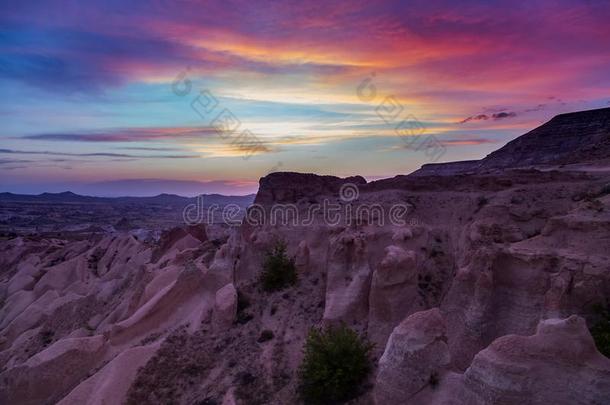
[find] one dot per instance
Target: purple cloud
(495, 116)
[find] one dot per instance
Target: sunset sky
(94, 93)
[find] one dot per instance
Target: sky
(138, 98)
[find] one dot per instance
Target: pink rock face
(225, 307)
(394, 288)
(559, 364)
(91, 301)
(349, 277)
(45, 376)
(302, 256)
(189, 236)
(292, 187)
(415, 356)
(490, 267)
(111, 383)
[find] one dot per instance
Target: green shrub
(279, 271)
(605, 190)
(243, 302)
(601, 330)
(47, 336)
(433, 380)
(265, 336)
(336, 362)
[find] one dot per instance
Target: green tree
(336, 362)
(279, 270)
(601, 330)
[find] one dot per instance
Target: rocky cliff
(572, 138)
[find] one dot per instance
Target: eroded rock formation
(480, 293)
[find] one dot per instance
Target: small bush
(243, 318)
(243, 301)
(279, 270)
(605, 190)
(265, 336)
(433, 380)
(601, 330)
(336, 362)
(481, 202)
(47, 336)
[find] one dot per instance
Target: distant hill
(578, 137)
(161, 199)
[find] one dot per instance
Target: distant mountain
(136, 187)
(161, 199)
(154, 187)
(65, 197)
(221, 200)
(578, 137)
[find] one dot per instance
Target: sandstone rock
(58, 278)
(302, 257)
(180, 238)
(178, 303)
(261, 239)
(414, 357)
(349, 278)
(229, 398)
(221, 269)
(393, 293)
(20, 282)
(558, 365)
(577, 137)
(163, 278)
(402, 234)
(30, 317)
(567, 138)
(111, 383)
(14, 305)
(289, 187)
(46, 375)
(225, 307)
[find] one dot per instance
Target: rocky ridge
(567, 139)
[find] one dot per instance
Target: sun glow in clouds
(96, 81)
